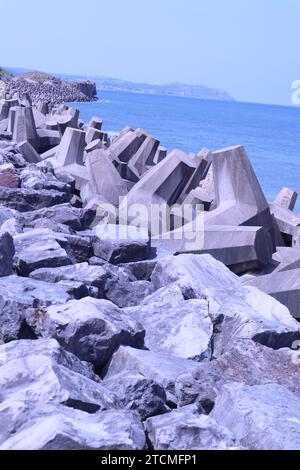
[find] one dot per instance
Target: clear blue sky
(248, 47)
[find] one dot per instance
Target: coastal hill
(171, 89)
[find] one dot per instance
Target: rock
(193, 274)
(182, 329)
(42, 372)
(95, 276)
(7, 251)
(74, 249)
(91, 329)
(141, 270)
(124, 293)
(261, 417)
(138, 393)
(27, 426)
(76, 219)
(162, 368)
(8, 176)
(187, 429)
(28, 199)
(34, 251)
(245, 362)
(235, 310)
(121, 243)
(6, 214)
(18, 294)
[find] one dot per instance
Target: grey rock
(187, 429)
(38, 252)
(89, 328)
(182, 329)
(245, 362)
(138, 393)
(121, 244)
(261, 417)
(95, 276)
(42, 372)
(162, 368)
(29, 199)
(18, 294)
(27, 426)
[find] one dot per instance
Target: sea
(269, 133)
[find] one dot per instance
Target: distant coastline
(171, 89)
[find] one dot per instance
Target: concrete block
(104, 179)
(161, 153)
(239, 198)
(239, 248)
(126, 146)
(287, 222)
(144, 156)
(24, 127)
(28, 152)
(287, 199)
(284, 286)
(71, 147)
(96, 123)
(48, 139)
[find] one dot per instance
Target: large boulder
(139, 393)
(175, 326)
(24, 200)
(245, 362)
(18, 294)
(28, 426)
(261, 417)
(187, 429)
(91, 329)
(235, 310)
(42, 372)
(121, 243)
(162, 368)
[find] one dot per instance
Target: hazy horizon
(234, 46)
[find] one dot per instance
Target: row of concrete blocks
(240, 228)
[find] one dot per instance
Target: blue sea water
(270, 134)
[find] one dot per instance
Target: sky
(250, 48)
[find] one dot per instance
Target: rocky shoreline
(111, 341)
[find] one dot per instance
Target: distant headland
(171, 89)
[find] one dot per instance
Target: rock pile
(42, 87)
(118, 339)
